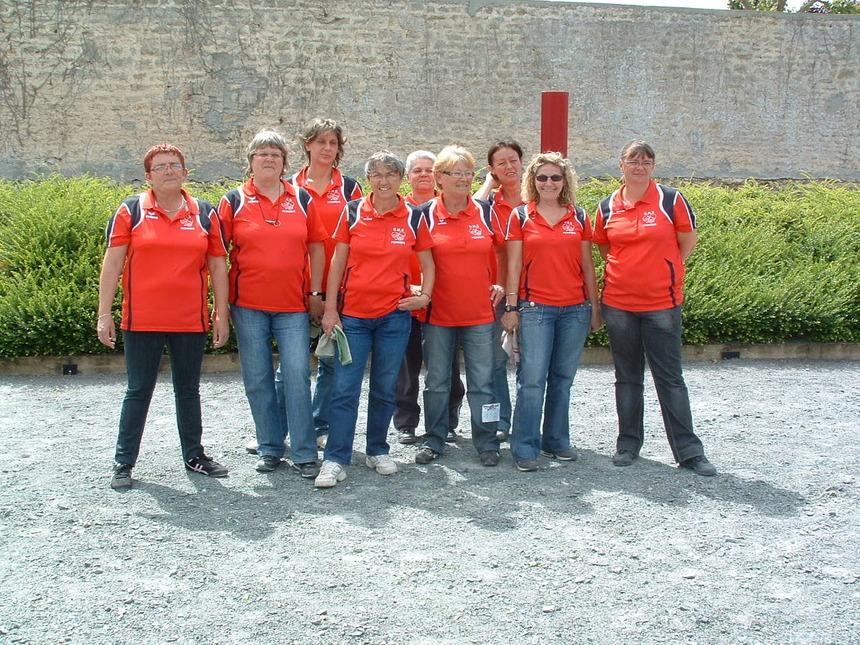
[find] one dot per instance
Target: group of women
(406, 279)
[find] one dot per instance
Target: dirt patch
(583, 552)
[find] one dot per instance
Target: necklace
(172, 210)
(277, 221)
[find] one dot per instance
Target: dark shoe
(490, 458)
(700, 465)
(121, 479)
(426, 455)
(623, 458)
(527, 465)
(206, 466)
(251, 447)
(267, 463)
(503, 436)
(562, 455)
(308, 470)
(407, 436)
(452, 437)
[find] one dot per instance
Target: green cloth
(325, 346)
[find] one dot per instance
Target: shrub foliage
(774, 263)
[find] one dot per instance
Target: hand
(511, 321)
(596, 319)
(106, 330)
(497, 292)
(329, 320)
(411, 303)
(316, 309)
(220, 330)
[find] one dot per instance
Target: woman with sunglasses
(646, 232)
(551, 300)
(275, 234)
(462, 311)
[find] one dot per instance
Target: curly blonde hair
(568, 192)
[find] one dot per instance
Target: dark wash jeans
(143, 352)
(655, 335)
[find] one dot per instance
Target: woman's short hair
(450, 156)
(387, 159)
(513, 144)
(568, 192)
(636, 149)
(312, 129)
(161, 148)
(268, 139)
(415, 156)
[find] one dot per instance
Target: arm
(604, 250)
(112, 265)
(501, 271)
(335, 275)
(220, 291)
(428, 280)
(511, 319)
(589, 276)
(316, 254)
(687, 243)
(490, 184)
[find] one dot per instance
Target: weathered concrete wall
(88, 85)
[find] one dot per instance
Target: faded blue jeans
(655, 335)
(255, 330)
(551, 344)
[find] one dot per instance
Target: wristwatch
(510, 308)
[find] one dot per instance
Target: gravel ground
(766, 552)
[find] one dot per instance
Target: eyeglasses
(269, 155)
(636, 163)
(389, 176)
(162, 167)
(456, 174)
(543, 178)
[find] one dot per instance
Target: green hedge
(774, 263)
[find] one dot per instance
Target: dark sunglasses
(543, 178)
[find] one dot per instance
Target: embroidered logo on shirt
(649, 218)
(568, 227)
(187, 223)
(333, 196)
(151, 215)
(475, 231)
(398, 236)
(289, 204)
(253, 200)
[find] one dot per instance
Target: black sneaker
(426, 455)
(206, 466)
(623, 458)
(308, 470)
(527, 465)
(700, 465)
(121, 479)
(407, 436)
(267, 463)
(490, 458)
(562, 455)
(451, 437)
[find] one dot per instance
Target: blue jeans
(386, 337)
(143, 352)
(551, 344)
(255, 330)
(439, 346)
(500, 372)
(322, 394)
(655, 335)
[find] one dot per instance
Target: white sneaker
(330, 474)
(322, 440)
(383, 464)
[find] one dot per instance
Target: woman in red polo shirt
(275, 234)
(369, 298)
(552, 300)
(323, 141)
(165, 244)
(645, 232)
(464, 231)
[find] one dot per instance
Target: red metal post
(553, 122)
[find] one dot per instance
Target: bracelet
(424, 293)
(511, 293)
(315, 293)
(103, 315)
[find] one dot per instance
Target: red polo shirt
(269, 246)
(644, 270)
(463, 244)
(552, 271)
(503, 211)
(376, 276)
(165, 281)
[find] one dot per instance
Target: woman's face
(549, 182)
(637, 169)
(384, 180)
(507, 167)
(324, 148)
(456, 181)
(420, 176)
(268, 162)
(166, 172)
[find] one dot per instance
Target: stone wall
(89, 85)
